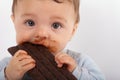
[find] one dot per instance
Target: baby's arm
(19, 65)
(3, 63)
(85, 69)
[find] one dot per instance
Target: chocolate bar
(46, 67)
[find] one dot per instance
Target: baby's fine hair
(76, 4)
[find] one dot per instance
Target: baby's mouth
(44, 43)
(47, 44)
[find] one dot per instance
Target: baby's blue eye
(30, 23)
(56, 25)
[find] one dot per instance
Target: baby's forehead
(63, 0)
(16, 2)
(58, 1)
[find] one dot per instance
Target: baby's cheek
(21, 39)
(57, 48)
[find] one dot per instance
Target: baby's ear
(13, 18)
(74, 28)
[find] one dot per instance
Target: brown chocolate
(46, 67)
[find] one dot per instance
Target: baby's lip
(47, 44)
(49, 47)
(41, 43)
(52, 49)
(44, 43)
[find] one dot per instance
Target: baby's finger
(27, 62)
(59, 57)
(20, 52)
(59, 64)
(28, 66)
(22, 57)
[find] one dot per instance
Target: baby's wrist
(74, 68)
(6, 78)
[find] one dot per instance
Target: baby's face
(44, 22)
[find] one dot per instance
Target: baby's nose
(42, 33)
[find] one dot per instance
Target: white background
(98, 34)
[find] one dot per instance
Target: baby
(51, 23)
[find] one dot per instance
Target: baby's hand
(19, 65)
(62, 58)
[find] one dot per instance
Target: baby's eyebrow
(27, 14)
(51, 18)
(59, 18)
